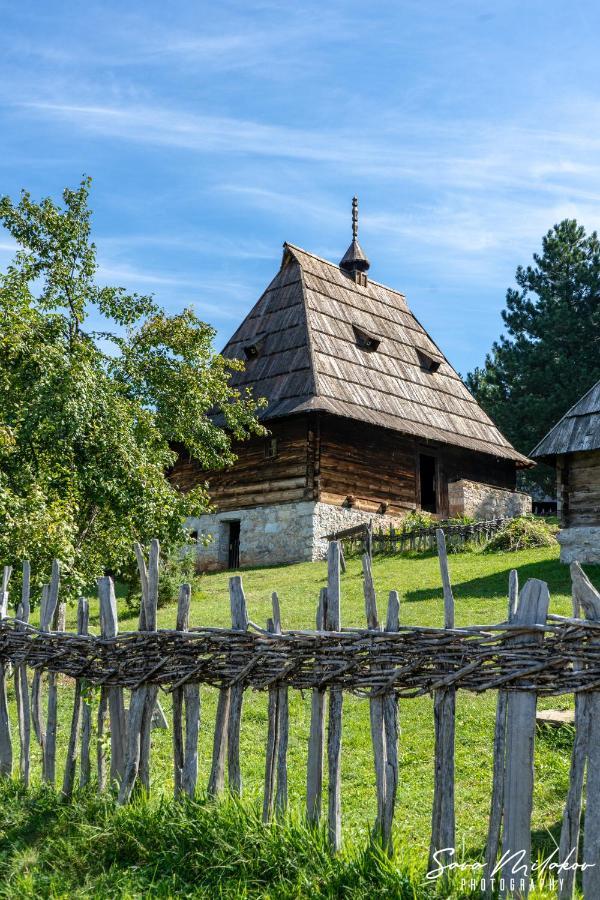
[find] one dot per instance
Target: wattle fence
(364, 538)
(532, 653)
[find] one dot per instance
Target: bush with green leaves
(521, 533)
(89, 418)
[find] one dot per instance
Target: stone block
(484, 501)
(580, 544)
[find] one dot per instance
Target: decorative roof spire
(354, 259)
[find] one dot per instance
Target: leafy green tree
(550, 354)
(89, 419)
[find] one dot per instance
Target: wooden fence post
(334, 726)
(191, 697)
(281, 797)
(146, 725)
(272, 744)
(586, 745)
(49, 762)
(6, 753)
(442, 819)
(86, 712)
(314, 772)
(21, 685)
(277, 735)
(183, 619)
(496, 806)
(375, 703)
(143, 698)
(109, 628)
(239, 622)
(390, 716)
(36, 685)
(520, 739)
(48, 603)
(69, 776)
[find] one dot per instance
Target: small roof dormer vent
(253, 349)
(364, 340)
(428, 362)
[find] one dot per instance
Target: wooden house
(367, 421)
(573, 447)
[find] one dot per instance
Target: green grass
(29, 822)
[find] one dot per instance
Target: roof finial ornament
(354, 260)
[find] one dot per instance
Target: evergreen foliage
(550, 354)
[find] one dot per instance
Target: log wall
(255, 479)
(327, 459)
(580, 474)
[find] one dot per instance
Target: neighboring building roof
(578, 430)
(322, 339)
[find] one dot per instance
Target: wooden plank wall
(583, 488)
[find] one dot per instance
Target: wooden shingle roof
(578, 430)
(305, 331)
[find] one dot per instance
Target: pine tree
(550, 353)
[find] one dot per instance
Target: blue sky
(214, 132)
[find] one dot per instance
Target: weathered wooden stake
(390, 715)
(69, 776)
(142, 698)
(520, 738)
(86, 714)
(191, 698)
(497, 803)
(183, 616)
(334, 726)
(37, 721)
(375, 703)
(588, 743)
(281, 797)
(239, 622)
(21, 685)
(314, 775)
(216, 781)
(272, 744)
(6, 753)
(444, 708)
(49, 761)
(100, 744)
(48, 603)
(109, 628)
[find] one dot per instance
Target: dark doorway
(427, 482)
(233, 557)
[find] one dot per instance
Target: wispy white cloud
(469, 155)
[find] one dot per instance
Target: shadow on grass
(495, 584)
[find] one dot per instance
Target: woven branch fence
(532, 653)
(365, 538)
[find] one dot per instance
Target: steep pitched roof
(313, 332)
(579, 428)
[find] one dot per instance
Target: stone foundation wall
(328, 519)
(580, 544)
(283, 533)
(484, 501)
(269, 535)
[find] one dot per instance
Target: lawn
(480, 585)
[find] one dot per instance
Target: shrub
(418, 519)
(522, 533)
